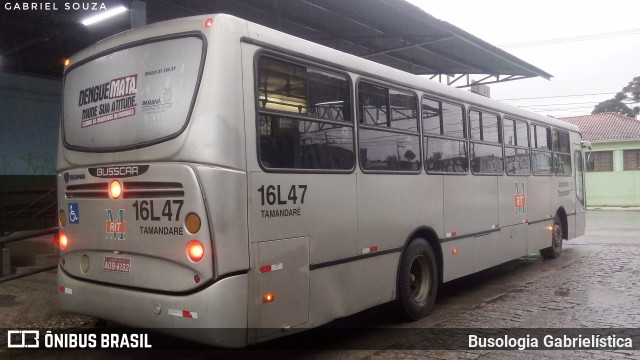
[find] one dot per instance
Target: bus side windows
(486, 151)
(446, 156)
(388, 129)
(516, 147)
(444, 137)
(304, 118)
(541, 159)
(561, 153)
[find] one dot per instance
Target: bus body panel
(217, 313)
(283, 282)
(225, 195)
(347, 288)
(470, 205)
(214, 135)
(124, 241)
(458, 258)
(389, 207)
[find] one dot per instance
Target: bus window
(561, 153)
(388, 139)
(304, 117)
(442, 118)
(541, 159)
(444, 155)
(486, 158)
(516, 147)
(119, 100)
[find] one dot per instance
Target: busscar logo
(23, 339)
(116, 227)
(118, 171)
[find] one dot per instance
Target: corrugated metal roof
(392, 32)
(606, 126)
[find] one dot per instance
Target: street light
(104, 15)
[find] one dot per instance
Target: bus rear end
(141, 241)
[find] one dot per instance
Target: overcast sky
(604, 61)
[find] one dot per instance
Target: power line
(557, 96)
(572, 39)
(556, 104)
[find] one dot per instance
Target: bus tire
(417, 280)
(555, 250)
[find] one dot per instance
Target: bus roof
(277, 40)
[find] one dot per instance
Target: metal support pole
(138, 14)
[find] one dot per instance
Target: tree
(615, 106)
(632, 90)
(631, 93)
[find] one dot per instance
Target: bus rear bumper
(215, 315)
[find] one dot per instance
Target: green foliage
(632, 90)
(616, 105)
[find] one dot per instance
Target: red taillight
(115, 189)
(195, 250)
(208, 22)
(62, 240)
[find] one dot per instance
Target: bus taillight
(195, 250)
(208, 22)
(62, 240)
(115, 189)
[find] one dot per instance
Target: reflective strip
(183, 313)
(495, 226)
(269, 268)
(65, 290)
(369, 249)
(451, 234)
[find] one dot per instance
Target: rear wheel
(418, 280)
(555, 249)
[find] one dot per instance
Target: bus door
(580, 200)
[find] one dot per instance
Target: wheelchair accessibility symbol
(74, 213)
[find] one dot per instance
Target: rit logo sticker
(116, 228)
(520, 200)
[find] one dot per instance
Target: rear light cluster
(62, 240)
(115, 189)
(195, 250)
(192, 223)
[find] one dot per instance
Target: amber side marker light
(192, 223)
(62, 240)
(195, 250)
(62, 218)
(115, 189)
(67, 62)
(267, 298)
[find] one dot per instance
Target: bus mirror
(589, 162)
(586, 144)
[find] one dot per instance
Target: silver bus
(229, 183)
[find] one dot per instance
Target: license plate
(116, 264)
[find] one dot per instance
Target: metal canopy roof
(391, 32)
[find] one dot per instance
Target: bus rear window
(132, 97)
